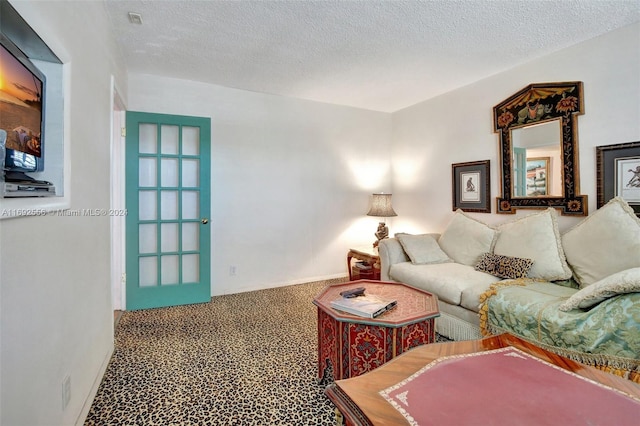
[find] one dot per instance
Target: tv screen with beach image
(20, 105)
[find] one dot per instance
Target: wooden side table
(369, 255)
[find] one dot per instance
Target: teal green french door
(168, 204)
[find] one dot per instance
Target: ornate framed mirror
(538, 132)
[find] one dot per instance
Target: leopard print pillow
(504, 266)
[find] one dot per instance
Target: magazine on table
(362, 265)
(367, 305)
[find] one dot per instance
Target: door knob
(205, 221)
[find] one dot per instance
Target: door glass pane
(169, 270)
(147, 172)
(190, 171)
(190, 208)
(190, 236)
(148, 238)
(190, 140)
(148, 271)
(148, 134)
(169, 237)
(169, 205)
(147, 205)
(190, 268)
(169, 139)
(169, 172)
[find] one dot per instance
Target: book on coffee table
(362, 265)
(367, 305)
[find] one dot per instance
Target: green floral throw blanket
(606, 335)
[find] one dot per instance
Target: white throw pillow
(627, 281)
(466, 239)
(535, 237)
(422, 249)
(605, 242)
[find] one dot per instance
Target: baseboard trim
(82, 417)
(283, 284)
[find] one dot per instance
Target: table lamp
(381, 207)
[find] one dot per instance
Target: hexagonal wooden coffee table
(354, 345)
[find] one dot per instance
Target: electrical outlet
(66, 391)
(232, 270)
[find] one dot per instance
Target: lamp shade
(381, 206)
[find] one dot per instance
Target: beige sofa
(457, 286)
(452, 264)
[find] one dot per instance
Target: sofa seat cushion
(449, 281)
(470, 298)
(608, 333)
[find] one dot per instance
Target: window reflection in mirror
(537, 160)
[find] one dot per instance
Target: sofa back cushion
(535, 237)
(422, 249)
(466, 239)
(604, 243)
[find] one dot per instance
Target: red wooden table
(360, 401)
(354, 345)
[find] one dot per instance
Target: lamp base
(381, 233)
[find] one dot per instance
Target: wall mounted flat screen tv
(22, 88)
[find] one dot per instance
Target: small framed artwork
(538, 176)
(471, 186)
(618, 173)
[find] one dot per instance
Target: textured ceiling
(372, 54)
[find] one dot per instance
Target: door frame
(117, 201)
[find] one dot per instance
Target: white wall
(457, 127)
(56, 316)
(291, 179)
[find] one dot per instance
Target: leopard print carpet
(241, 359)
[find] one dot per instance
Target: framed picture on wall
(471, 186)
(618, 173)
